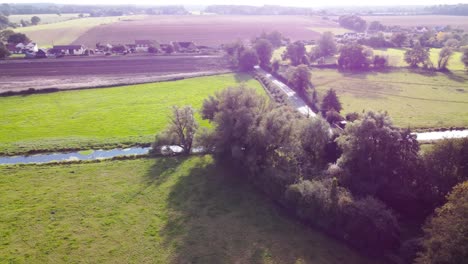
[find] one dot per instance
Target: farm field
(45, 18)
(95, 71)
(47, 35)
(412, 99)
(422, 20)
(96, 118)
(164, 210)
(210, 30)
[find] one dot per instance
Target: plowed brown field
(204, 30)
(84, 72)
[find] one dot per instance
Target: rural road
(293, 97)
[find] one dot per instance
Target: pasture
(95, 118)
(210, 30)
(396, 58)
(66, 32)
(412, 99)
(164, 210)
(45, 18)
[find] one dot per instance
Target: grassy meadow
(165, 210)
(45, 18)
(109, 117)
(412, 99)
(65, 32)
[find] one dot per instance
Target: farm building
(23, 48)
(41, 53)
(68, 49)
(185, 46)
(144, 45)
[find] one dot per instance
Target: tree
(352, 57)
(264, 51)
(4, 52)
(380, 61)
(464, 58)
(326, 44)
(446, 234)
(5, 34)
(352, 22)
(381, 159)
(181, 130)
(398, 38)
(376, 26)
(234, 111)
(300, 79)
(446, 166)
(274, 37)
(4, 21)
(248, 59)
(330, 102)
(18, 38)
(444, 56)
(35, 20)
(295, 52)
(416, 55)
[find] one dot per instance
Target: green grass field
(107, 117)
(165, 210)
(396, 58)
(66, 32)
(412, 99)
(45, 18)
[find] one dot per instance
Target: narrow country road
(293, 97)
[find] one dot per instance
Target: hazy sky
(250, 2)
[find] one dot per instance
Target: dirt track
(82, 72)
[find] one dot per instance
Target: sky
(251, 2)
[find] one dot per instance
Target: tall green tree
(4, 52)
(417, 55)
(295, 52)
(398, 38)
(300, 79)
(352, 57)
(5, 34)
(18, 38)
(444, 56)
(248, 59)
(381, 159)
(446, 234)
(464, 58)
(4, 21)
(181, 130)
(330, 101)
(35, 20)
(327, 44)
(264, 51)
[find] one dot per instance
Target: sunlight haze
(258, 2)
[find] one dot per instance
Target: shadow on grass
(215, 216)
(241, 77)
(462, 78)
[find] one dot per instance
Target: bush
(364, 223)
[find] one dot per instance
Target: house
(421, 29)
(68, 49)
(350, 35)
(185, 46)
(31, 47)
(41, 54)
(167, 48)
(144, 45)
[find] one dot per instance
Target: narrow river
(108, 154)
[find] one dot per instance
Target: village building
(185, 46)
(144, 45)
(68, 49)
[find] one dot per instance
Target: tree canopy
(352, 57)
(264, 51)
(295, 52)
(446, 234)
(248, 59)
(417, 55)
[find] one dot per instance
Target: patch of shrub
(366, 223)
